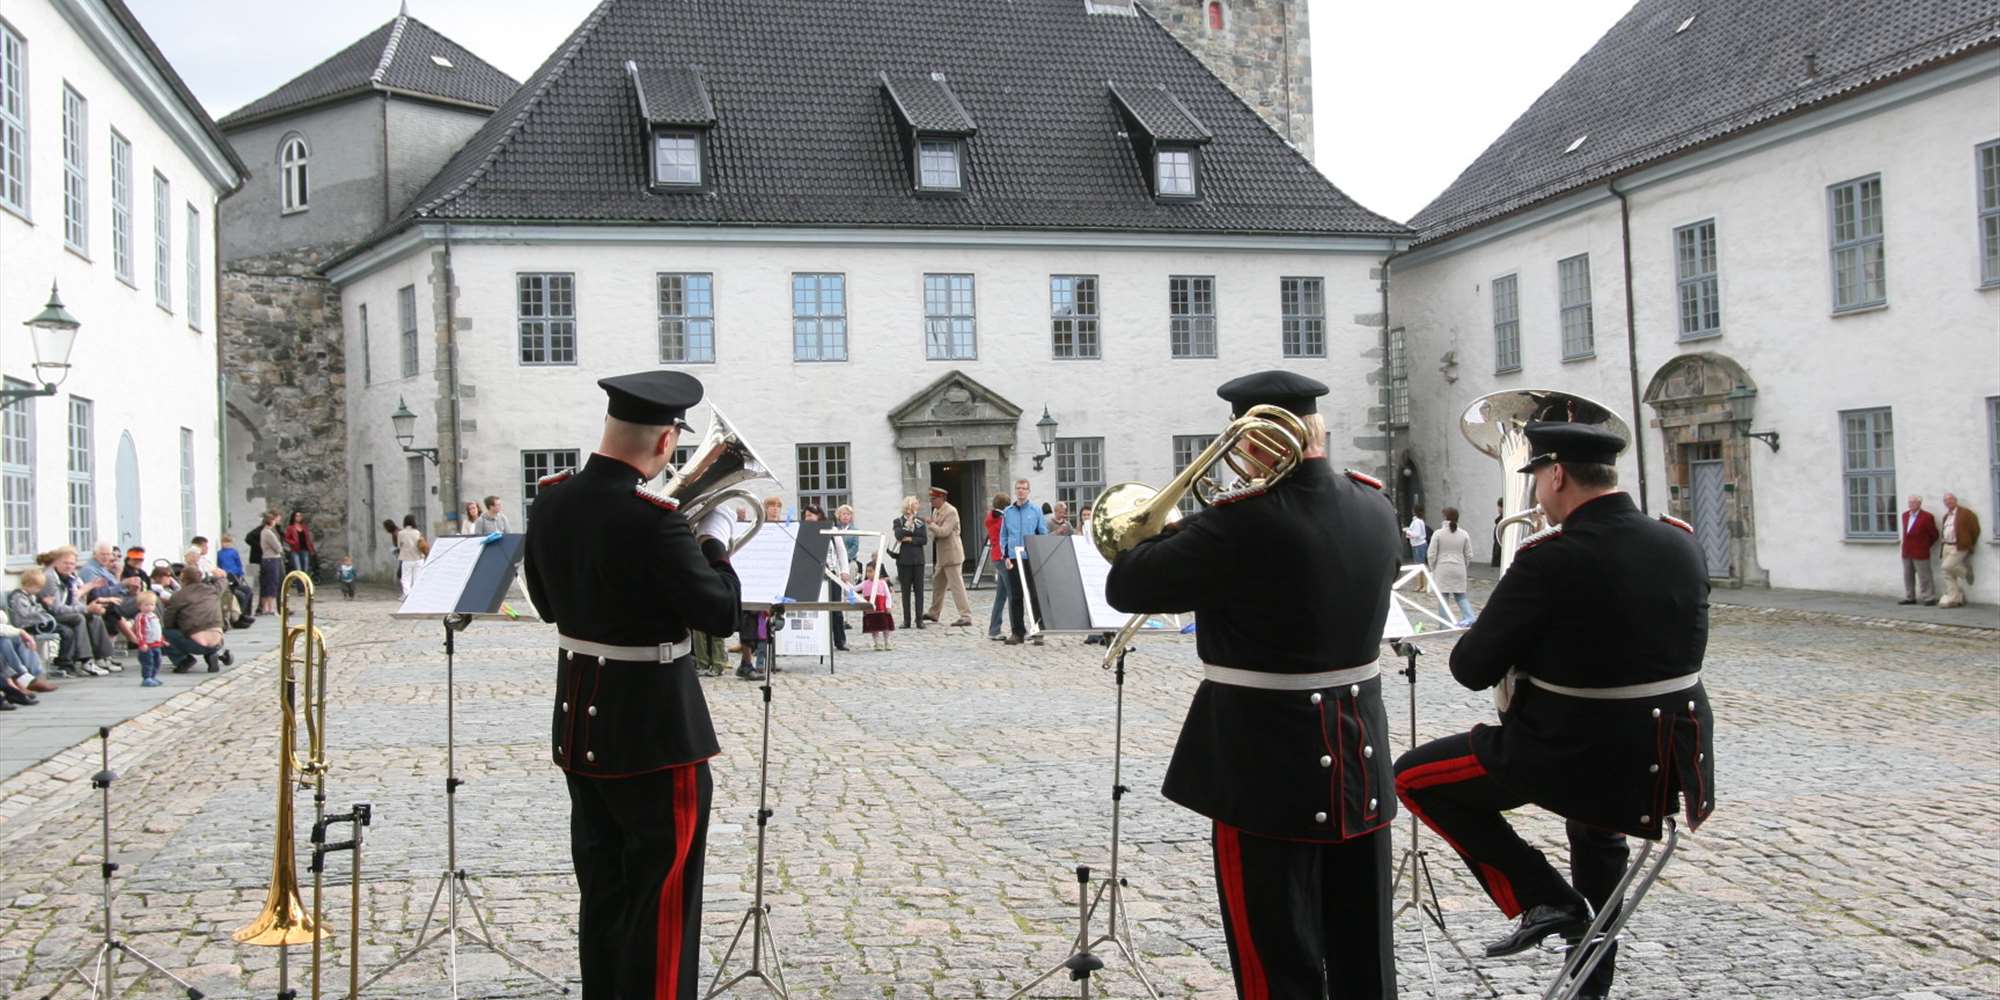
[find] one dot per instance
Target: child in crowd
(878, 621)
(147, 628)
(346, 573)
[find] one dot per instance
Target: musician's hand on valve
(717, 524)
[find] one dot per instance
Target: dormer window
(1166, 136)
(1174, 169)
(937, 164)
(935, 128)
(677, 158)
(674, 104)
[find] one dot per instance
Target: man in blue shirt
(1017, 522)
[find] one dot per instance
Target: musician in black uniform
(625, 577)
(1286, 744)
(1598, 630)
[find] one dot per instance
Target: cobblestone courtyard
(931, 801)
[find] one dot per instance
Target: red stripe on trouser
(1447, 772)
(667, 954)
(1229, 860)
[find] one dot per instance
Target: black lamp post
(54, 333)
(1046, 428)
(1742, 400)
(405, 424)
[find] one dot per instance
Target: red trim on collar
(659, 500)
(554, 478)
(1678, 523)
(1364, 478)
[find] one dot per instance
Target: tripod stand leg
(485, 936)
(771, 942)
(1436, 914)
(422, 941)
(715, 985)
(193, 994)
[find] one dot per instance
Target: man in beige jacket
(1958, 532)
(949, 553)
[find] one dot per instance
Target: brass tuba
(710, 476)
(1496, 424)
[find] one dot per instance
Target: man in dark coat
(1595, 636)
(625, 578)
(1286, 744)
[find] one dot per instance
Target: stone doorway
(959, 434)
(963, 482)
(1708, 461)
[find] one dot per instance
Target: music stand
(464, 578)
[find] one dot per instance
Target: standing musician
(1602, 620)
(625, 577)
(1286, 744)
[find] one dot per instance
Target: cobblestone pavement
(931, 802)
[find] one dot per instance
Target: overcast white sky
(1405, 94)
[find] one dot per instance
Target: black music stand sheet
(1066, 576)
(465, 575)
(787, 564)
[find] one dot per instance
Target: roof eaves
(131, 24)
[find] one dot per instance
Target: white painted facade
(148, 369)
(1931, 354)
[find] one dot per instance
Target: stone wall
(1263, 52)
(285, 384)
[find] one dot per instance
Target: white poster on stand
(806, 633)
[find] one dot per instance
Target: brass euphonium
(710, 476)
(1496, 424)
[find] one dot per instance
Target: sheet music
(765, 564)
(442, 578)
(1095, 571)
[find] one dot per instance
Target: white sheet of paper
(442, 577)
(765, 564)
(806, 633)
(1090, 565)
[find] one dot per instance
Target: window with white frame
(406, 324)
(13, 121)
(17, 473)
(1578, 333)
(193, 252)
(76, 171)
(82, 499)
(1073, 316)
(1186, 448)
(1989, 212)
(187, 483)
(819, 317)
(367, 369)
(163, 244)
(1174, 173)
(1696, 265)
(937, 165)
(538, 464)
(822, 474)
(1302, 308)
(677, 159)
(1079, 470)
(1992, 446)
(1507, 324)
(1399, 378)
(293, 174)
(121, 208)
(1191, 316)
(948, 318)
(415, 472)
(547, 318)
(1868, 466)
(1860, 276)
(687, 319)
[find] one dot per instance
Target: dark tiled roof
(1648, 91)
(926, 104)
(1159, 113)
(401, 55)
(804, 136)
(672, 95)
(130, 23)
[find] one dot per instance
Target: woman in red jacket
(999, 566)
(299, 551)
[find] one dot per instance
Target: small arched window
(293, 176)
(1215, 16)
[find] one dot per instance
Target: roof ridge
(389, 49)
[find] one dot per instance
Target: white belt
(1291, 682)
(665, 652)
(1652, 689)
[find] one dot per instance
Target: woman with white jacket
(1450, 551)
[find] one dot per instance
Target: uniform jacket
(949, 548)
(1302, 765)
(1964, 528)
(1614, 598)
(608, 564)
(1919, 536)
(911, 536)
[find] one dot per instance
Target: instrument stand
(454, 878)
(757, 919)
(1110, 892)
(105, 958)
(1416, 862)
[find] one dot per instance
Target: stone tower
(1260, 48)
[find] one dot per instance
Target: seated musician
(1602, 621)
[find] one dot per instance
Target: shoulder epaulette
(657, 499)
(1553, 531)
(1364, 479)
(554, 478)
(1678, 523)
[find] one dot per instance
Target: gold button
(559, 748)
(1354, 691)
(1371, 805)
(1656, 713)
(1315, 698)
(565, 706)
(1319, 817)
(1690, 706)
(1326, 762)
(1645, 819)
(1654, 769)
(600, 661)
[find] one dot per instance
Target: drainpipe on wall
(1631, 339)
(451, 370)
(1388, 385)
(221, 376)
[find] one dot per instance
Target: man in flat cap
(1597, 630)
(625, 578)
(1286, 744)
(948, 550)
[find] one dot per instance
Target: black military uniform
(621, 573)
(1603, 621)
(1286, 744)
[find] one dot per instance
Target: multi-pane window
(367, 368)
(1507, 324)
(937, 165)
(1695, 268)
(1175, 172)
(1191, 316)
(82, 499)
(419, 491)
(1302, 304)
(1868, 464)
(76, 176)
(547, 318)
(163, 244)
(1399, 378)
(1859, 271)
(13, 121)
(121, 207)
(822, 474)
(1186, 447)
(537, 464)
(1073, 316)
(1993, 446)
(677, 159)
(296, 191)
(1079, 470)
(187, 483)
(1989, 212)
(17, 473)
(948, 318)
(194, 267)
(819, 317)
(687, 318)
(406, 323)
(1579, 335)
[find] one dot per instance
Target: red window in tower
(1215, 15)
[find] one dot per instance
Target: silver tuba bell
(713, 473)
(1496, 424)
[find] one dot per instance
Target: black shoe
(1540, 921)
(1013, 640)
(1931, 603)
(181, 668)
(243, 623)
(228, 658)
(749, 675)
(15, 697)
(1907, 600)
(213, 667)
(7, 706)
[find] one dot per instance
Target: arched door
(128, 492)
